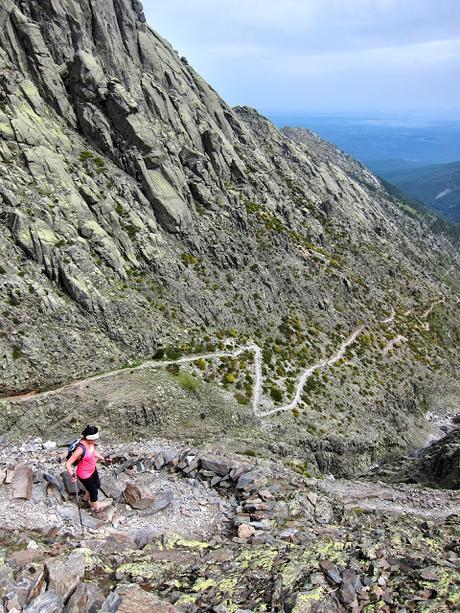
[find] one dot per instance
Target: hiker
(85, 457)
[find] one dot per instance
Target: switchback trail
(258, 381)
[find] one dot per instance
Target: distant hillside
(438, 186)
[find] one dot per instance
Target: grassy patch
(187, 381)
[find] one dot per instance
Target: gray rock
(331, 571)
(22, 482)
(162, 501)
(56, 483)
(111, 486)
(70, 513)
(87, 598)
(219, 467)
(64, 574)
(138, 497)
(48, 602)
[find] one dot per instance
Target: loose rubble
(268, 540)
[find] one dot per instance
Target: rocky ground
(187, 530)
(143, 223)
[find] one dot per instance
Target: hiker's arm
(73, 458)
(99, 456)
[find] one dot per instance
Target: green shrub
(173, 353)
(85, 156)
(276, 393)
(17, 353)
(188, 381)
(2, 270)
(132, 230)
(173, 369)
(188, 259)
(241, 398)
(201, 364)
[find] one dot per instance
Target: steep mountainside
(438, 186)
(142, 216)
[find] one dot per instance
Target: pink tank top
(87, 465)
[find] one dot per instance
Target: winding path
(258, 380)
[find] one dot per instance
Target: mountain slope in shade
(437, 186)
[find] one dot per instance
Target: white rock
(49, 445)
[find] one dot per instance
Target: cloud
(283, 54)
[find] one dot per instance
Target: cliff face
(138, 210)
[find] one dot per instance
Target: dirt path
(389, 319)
(431, 307)
(258, 382)
(303, 379)
(394, 341)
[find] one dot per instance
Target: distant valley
(437, 185)
(419, 157)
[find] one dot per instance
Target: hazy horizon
(364, 57)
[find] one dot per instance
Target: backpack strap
(83, 450)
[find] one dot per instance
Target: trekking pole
(79, 510)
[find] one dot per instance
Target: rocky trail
(186, 530)
(379, 497)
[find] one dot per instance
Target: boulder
(64, 574)
(22, 482)
(48, 602)
(88, 597)
(330, 569)
(245, 531)
(139, 497)
(161, 501)
(69, 485)
(38, 586)
(249, 482)
(218, 467)
(111, 486)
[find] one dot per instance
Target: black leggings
(92, 485)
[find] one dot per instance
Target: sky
(327, 56)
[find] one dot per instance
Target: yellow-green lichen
(305, 598)
(201, 585)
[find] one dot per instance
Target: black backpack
(73, 447)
